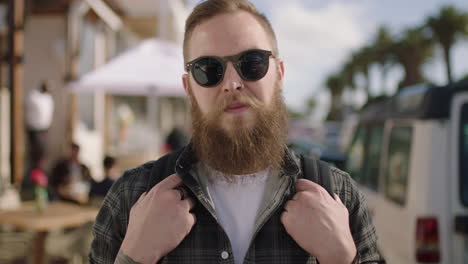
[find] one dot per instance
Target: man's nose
(232, 81)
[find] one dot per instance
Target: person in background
(39, 110)
(111, 173)
(71, 179)
(175, 140)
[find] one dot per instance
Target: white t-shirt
(39, 110)
(237, 204)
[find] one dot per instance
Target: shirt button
(224, 255)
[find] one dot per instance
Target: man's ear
(185, 82)
(280, 64)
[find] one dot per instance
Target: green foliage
(412, 51)
(448, 26)
(383, 49)
(335, 84)
(311, 104)
(295, 114)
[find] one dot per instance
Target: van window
(398, 164)
(355, 160)
(464, 155)
(373, 151)
(363, 161)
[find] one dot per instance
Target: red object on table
(38, 177)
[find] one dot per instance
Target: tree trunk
(367, 84)
(413, 74)
(383, 75)
(335, 108)
(448, 63)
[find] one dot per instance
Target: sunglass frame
(235, 59)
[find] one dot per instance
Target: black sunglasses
(251, 65)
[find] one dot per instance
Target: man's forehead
(228, 34)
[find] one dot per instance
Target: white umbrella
(153, 67)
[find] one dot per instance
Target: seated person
(70, 179)
(111, 173)
(175, 140)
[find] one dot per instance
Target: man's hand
(158, 222)
(319, 224)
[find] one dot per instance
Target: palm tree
(335, 85)
(311, 105)
(362, 61)
(383, 56)
(412, 51)
(447, 27)
(348, 74)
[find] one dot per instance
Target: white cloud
(313, 42)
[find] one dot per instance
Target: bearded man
(235, 193)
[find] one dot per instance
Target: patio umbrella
(153, 67)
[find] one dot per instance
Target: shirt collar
(187, 160)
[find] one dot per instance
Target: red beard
(242, 149)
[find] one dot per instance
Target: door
(459, 177)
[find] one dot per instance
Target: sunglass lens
(254, 65)
(207, 71)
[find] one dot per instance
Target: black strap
(164, 167)
(317, 171)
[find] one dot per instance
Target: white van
(410, 156)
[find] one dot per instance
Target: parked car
(410, 156)
(332, 135)
(308, 147)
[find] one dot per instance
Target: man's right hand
(158, 222)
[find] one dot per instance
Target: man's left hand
(319, 224)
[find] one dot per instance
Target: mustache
(250, 101)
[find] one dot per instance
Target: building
(65, 39)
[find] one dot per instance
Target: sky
(316, 37)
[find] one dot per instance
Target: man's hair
(74, 146)
(44, 88)
(211, 8)
(108, 162)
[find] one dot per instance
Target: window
(356, 153)
(129, 130)
(398, 164)
(373, 152)
(463, 157)
(363, 162)
(86, 107)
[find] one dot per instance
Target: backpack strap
(164, 167)
(317, 171)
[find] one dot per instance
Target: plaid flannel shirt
(207, 242)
